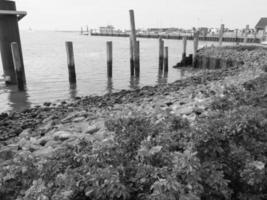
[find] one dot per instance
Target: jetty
(180, 37)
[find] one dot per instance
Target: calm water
(47, 74)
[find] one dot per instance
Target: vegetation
(221, 156)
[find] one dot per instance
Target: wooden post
(221, 35)
(131, 58)
(133, 40)
(109, 59)
(196, 39)
(9, 32)
(184, 47)
(18, 65)
(236, 36)
(161, 53)
(166, 59)
(137, 69)
(246, 34)
(81, 30)
(71, 63)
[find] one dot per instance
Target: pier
(180, 37)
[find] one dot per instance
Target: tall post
(18, 65)
(221, 35)
(166, 59)
(236, 36)
(131, 58)
(133, 40)
(71, 63)
(137, 69)
(9, 32)
(196, 39)
(161, 53)
(246, 34)
(109, 59)
(81, 30)
(184, 47)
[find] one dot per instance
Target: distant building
(106, 29)
(261, 25)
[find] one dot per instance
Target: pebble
(92, 129)
(62, 135)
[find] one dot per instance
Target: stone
(6, 154)
(92, 129)
(44, 152)
(78, 119)
(62, 135)
(25, 133)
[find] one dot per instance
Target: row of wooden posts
(134, 55)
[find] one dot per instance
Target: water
(47, 75)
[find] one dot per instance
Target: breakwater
(180, 37)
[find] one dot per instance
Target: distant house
(262, 24)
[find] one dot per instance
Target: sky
(72, 14)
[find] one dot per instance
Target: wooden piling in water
(137, 68)
(131, 58)
(184, 47)
(221, 35)
(81, 30)
(9, 32)
(196, 39)
(246, 34)
(71, 63)
(133, 40)
(18, 65)
(161, 53)
(166, 59)
(109, 59)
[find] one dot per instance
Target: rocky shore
(37, 140)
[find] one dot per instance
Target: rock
(169, 103)
(78, 119)
(92, 129)
(44, 152)
(25, 133)
(6, 154)
(47, 104)
(62, 135)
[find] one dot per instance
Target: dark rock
(47, 104)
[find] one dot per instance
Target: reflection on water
(162, 77)
(134, 82)
(73, 91)
(47, 74)
(109, 85)
(18, 100)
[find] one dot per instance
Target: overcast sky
(72, 14)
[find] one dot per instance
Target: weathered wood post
(131, 58)
(221, 35)
(9, 32)
(18, 65)
(184, 47)
(137, 69)
(161, 53)
(246, 34)
(71, 63)
(196, 39)
(109, 59)
(133, 40)
(236, 36)
(81, 30)
(166, 59)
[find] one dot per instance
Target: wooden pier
(180, 37)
